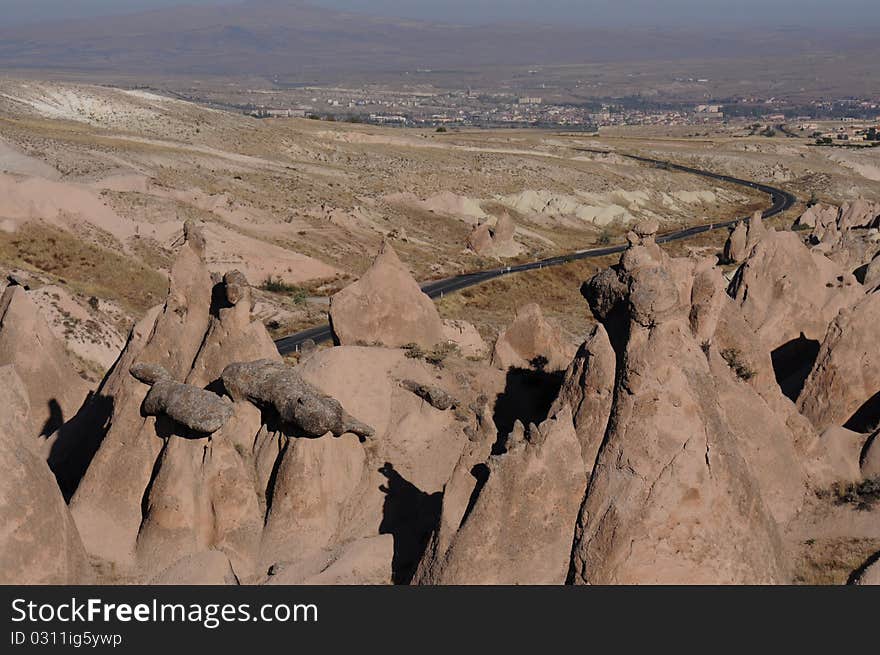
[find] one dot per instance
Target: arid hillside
(96, 183)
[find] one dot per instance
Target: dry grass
(832, 561)
(86, 268)
(492, 306)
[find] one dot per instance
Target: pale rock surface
(385, 306)
(54, 388)
(846, 374)
(743, 238)
(495, 241)
(672, 497)
(588, 389)
(465, 337)
(520, 527)
(784, 290)
(870, 457)
(39, 543)
(532, 341)
(210, 568)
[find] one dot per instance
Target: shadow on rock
(409, 515)
(527, 397)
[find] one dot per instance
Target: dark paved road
(780, 201)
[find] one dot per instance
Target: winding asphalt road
(781, 200)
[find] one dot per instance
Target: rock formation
(518, 528)
(385, 307)
(194, 408)
(532, 341)
(465, 337)
(39, 543)
(495, 240)
(432, 394)
(784, 290)
(588, 389)
(743, 238)
(673, 489)
(846, 375)
(274, 384)
(55, 390)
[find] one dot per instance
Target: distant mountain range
(281, 37)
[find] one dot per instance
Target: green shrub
(277, 285)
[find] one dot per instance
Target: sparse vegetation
(87, 268)
(436, 356)
(734, 360)
(274, 284)
(862, 495)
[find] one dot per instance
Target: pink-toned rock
(39, 543)
(843, 450)
(54, 388)
(870, 457)
(480, 239)
(210, 568)
(497, 240)
(107, 502)
(588, 389)
(846, 374)
(743, 238)
(673, 497)
(386, 307)
(465, 337)
(519, 529)
(784, 290)
(532, 341)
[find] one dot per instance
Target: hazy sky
(640, 13)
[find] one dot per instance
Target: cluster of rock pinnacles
(684, 442)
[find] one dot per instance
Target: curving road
(781, 200)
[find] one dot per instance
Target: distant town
(856, 119)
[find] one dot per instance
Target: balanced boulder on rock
(275, 384)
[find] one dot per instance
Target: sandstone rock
(275, 384)
(858, 214)
(588, 389)
(199, 410)
(480, 240)
(843, 450)
(736, 246)
(743, 238)
(431, 394)
(202, 569)
(519, 529)
(360, 562)
(385, 306)
(872, 273)
(121, 444)
(470, 472)
(846, 374)
(870, 457)
(784, 290)
(54, 388)
(234, 334)
(814, 215)
(497, 240)
(39, 543)
(672, 497)
(315, 482)
(465, 337)
(532, 342)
